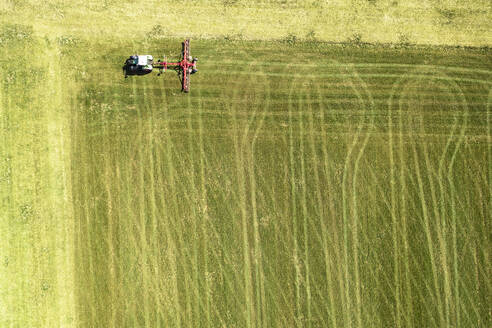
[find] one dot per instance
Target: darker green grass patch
(293, 185)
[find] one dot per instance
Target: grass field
(436, 22)
(297, 185)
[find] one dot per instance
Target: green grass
(307, 185)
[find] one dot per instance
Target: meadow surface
(297, 185)
(441, 22)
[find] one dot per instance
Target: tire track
(153, 208)
(345, 214)
(196, 294)
(368, 65)
(330, 168)
(440, 233)
(204, 211)
(294, 207)
(464, 123)
(239, 159)
(438, 207)
(428, 233)
(320, 212)
(211, 227)
(260, 276)
(305, 217)
(172, 252)
(204, 207)
(142, 211)
(403, 192)
(322, 216)
(110, 228)
(396, 269)
(91, 271)
(368, 133)
(370, 75)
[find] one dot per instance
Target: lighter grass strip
(294, 209)
(345, 211)
(369, 75)
(324, 233)
(90, 293)
(206, 220)
(403, 191)
(365, 65)
(64, 245)
(354, 191)
(213, 230)
(239, 160)
(163, 287)
(110, 232)
(335, 238)
(161, 292)
(119, 208)
(260, 275)
(172, 253)
(305, 219)
(457, 303)
(443, 218)
(216, 235)
(439, 230)
(4, 227)
(196, 290)
(287, 205)
(444, 317)
(129, 293)
(153, 209)
(142, 216)
(249, 148)
(396, 269)
(428, 233)
(203, 204)
(7, 232)
(486, 249)
(453, 213)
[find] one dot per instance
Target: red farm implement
(144, 64)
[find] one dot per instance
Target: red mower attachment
(143, 64)
(185, 67)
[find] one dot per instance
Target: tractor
(144, 64)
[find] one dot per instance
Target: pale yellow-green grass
(436, 22)
(36, 222)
